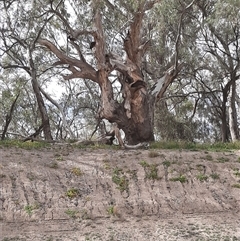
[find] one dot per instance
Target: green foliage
(214, 176)
(218, 146)
(120, 179)
(236, 172)
(151, 170)
(72, 193)
(30, 208)
(167, 163)
(181, 179)
(25, 145)
(110, 210)
(202, 177)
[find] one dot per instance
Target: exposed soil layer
(65, 193)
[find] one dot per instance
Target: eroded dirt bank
(65, 193)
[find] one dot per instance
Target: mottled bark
(233, 123)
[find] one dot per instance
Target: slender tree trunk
(40, 101)
(233, 124)
(9, 118)
(224, 127)
(42, 108)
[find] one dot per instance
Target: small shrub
(181, 179)
(214, 176)
(151, 170)
(202, 177)
(110, 210)
(144, 164)
(167, 163)
(29, 208)
(76, 171)
(237, 185)
(72, 193)
(120, 179)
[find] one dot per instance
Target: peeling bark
(134, 115)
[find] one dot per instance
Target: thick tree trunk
(140, 127)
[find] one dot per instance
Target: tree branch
(86, 70)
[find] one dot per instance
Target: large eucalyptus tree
(107, 42)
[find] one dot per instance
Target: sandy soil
(65, 193)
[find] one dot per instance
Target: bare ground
(65, 193)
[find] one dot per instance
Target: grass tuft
(202, 177)
(72, 193)
(181, 179)
(24, 145)
(218, 146)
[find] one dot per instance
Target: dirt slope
(65, 193)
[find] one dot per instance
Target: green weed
(72, 193)
(151, 170)
(236, 172)
(72, 213)
(202, 177)
(120, 179)
(29, 208)
(181, 179)
(218, 146)
(237, 185)
(110, 210)
(24, 145)
(214, 176)
(167, 163)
